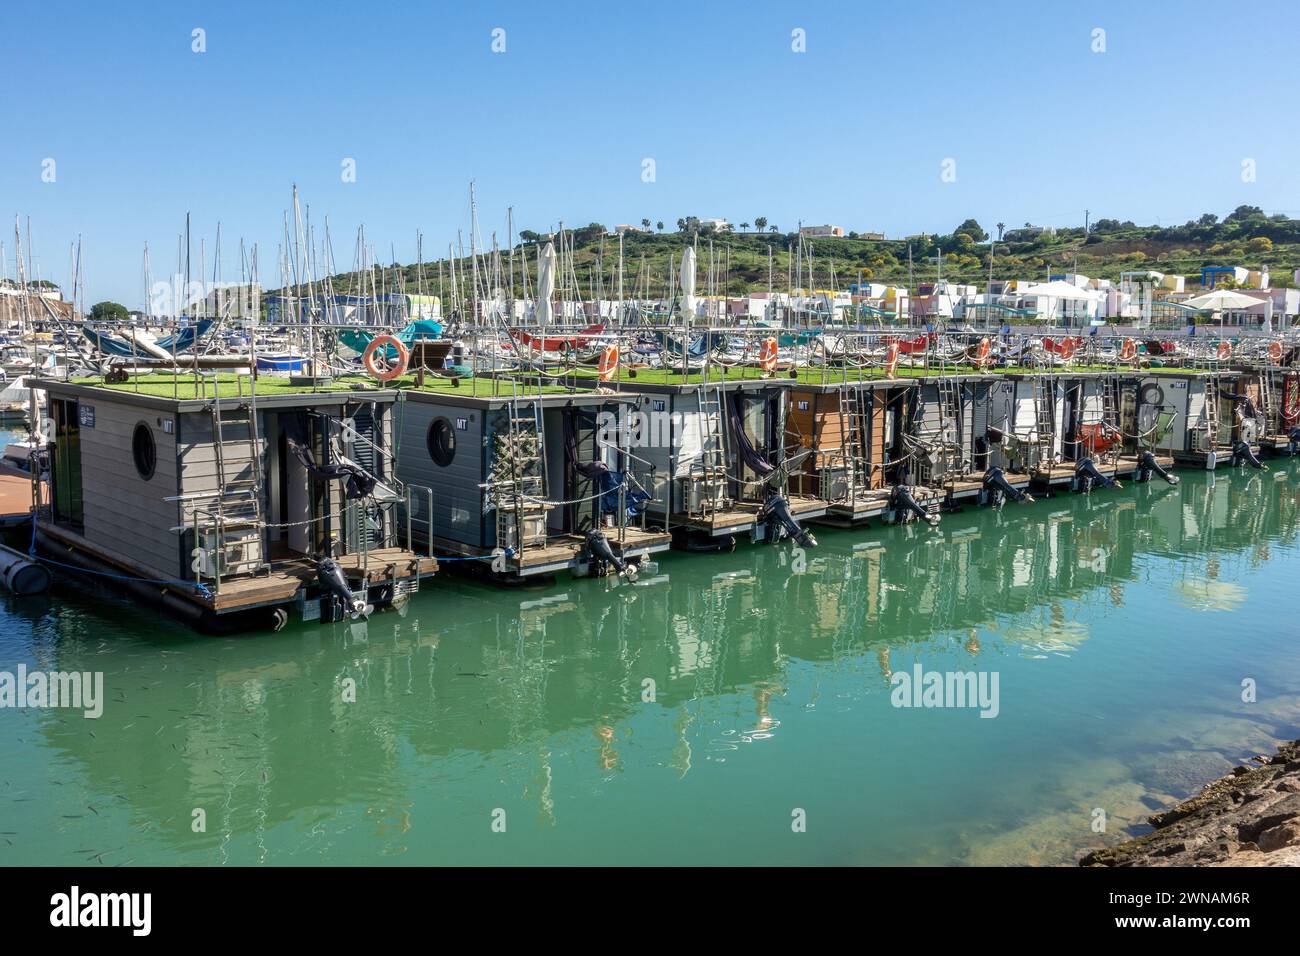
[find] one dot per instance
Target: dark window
(144, 451)
(442, 442)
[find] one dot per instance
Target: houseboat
(526, 480)
(236, 502)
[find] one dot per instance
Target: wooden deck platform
(1201, 459)
(15, 498)
(278, 586)
(565, 552)
(973, 486)
(1275, 445)
(872, 504)
(743, 516)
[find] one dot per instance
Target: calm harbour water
(1121, 626)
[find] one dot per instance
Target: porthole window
(442, 442)
(144, 451)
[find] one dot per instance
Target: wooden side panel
(124, 512)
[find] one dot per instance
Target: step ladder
(518, 478)
(236, 505)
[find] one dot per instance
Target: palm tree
(645, 224)
(681, 225)
(1001, 226)
(660, 225)
(760, 223)
(744, 227)
(774, 229)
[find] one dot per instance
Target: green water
(1120, 625)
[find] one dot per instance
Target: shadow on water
(625, 710)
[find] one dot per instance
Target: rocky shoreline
(1249, 817)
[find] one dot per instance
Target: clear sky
(855, 130)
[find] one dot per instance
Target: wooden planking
(121, 509)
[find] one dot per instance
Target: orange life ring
(608, 364)
(891, 359)
(1066, 349)
(1224, 351)
(1275, 351)
(767, 354)
(1128, 351)
(387, 372)
(983, 350)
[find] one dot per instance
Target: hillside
(1245, 237)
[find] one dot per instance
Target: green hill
(741, 258)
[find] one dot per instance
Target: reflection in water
(770, 691)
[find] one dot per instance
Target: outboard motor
(1242, 455)
(1293, 436)
(901, 500)
(330, 574)
(1147, 466)
(777, 507)
(1086, 470)
(601, 552)
(996, 484)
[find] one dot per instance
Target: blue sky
(853, 131)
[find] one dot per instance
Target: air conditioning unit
(834, 482)
(229, 553)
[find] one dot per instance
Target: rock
(1249, 816)
(1284, 834)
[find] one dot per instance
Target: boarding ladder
(235, 508)
(1110, 414)
(950, 430)
(1044, 420)
(1268, 403)
(518, 478)
(1211, 414)
(853, 437)
(712, 465)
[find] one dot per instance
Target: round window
(144, 451)
(442, 442)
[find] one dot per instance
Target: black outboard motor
(603, 554)
(330, 574)
(901, 500)
(1147, 466)
(1086, 470)
(777, 507)
(1242, 455)
(996, 484)
(1293, 436)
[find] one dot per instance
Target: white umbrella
(1219, 300)
(546, 285)
(688, 285)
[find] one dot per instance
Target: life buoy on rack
(1066, 350)
(891, 359)
(608, 364)
(1128, 351)
(1224, 352)
(767, 354)
(376, 358)
(1275, 351)
(982, 351)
